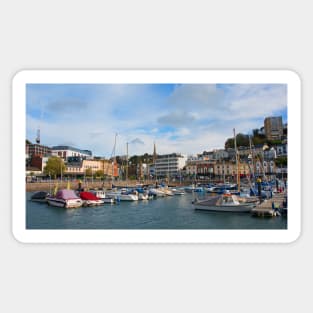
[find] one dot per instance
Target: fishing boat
(40, 196)
(65, 198)
(223, 203)
(90, 199)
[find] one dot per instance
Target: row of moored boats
(69, 198)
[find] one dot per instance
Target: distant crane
(38, 136)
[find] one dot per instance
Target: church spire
(154, 152)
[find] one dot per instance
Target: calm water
(174, 212)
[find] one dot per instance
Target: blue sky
(185, 118)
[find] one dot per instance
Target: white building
(219, 154)
(67, 151)
(169, 165)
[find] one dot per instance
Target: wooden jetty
(269, 207)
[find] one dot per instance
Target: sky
(182, 118)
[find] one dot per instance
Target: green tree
(55, 166)
(281, 161)
(99, 173)
(241, 139)
(88, 172)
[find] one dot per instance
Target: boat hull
(75, 203)
(122, 197)
(224, 208)
(92, 202)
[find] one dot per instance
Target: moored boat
(157, 192)
(40, 196)
(65, 198)
(177, 191)
(122, 195)
(89, 199)
(223, 203)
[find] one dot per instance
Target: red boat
(89, 199)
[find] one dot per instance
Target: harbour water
(174, 212)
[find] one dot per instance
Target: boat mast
(114, 157)
(126, 176)
(252, 156)
(237, 161)
(154, 162)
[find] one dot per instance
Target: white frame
(155, 76)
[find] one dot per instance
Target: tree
(99, 173)
(241, 139)
(88, 172)
(54, 167)
(281, 161)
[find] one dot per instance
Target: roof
(88, 152)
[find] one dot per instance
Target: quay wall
(46, 185)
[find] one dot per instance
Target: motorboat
(65, 198)
(142, 193)
(90, 199)
(40, 196)
(102, 195)
(167, 191)
(177, 191)
(193, 188)
(157, 192)
(122, 195)
(223, 203)
(98, 193)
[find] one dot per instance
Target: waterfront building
(39, 162)
(229, 169)
(169, 165)
(273, 127)
(220, 154)
(191, 168)
(67, 151)
(200, 168)
(36, 149)
(77, 166)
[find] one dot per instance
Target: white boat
(193, 188)
(223, 203)
(158, 192)
(65, 198)
(98, 193)
(108, 200)
(103, 196)
(178, 192)
(143, 196)
(120, 195)
(167, 191)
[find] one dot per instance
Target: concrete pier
(266, 207)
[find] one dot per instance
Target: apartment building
(169, 165)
